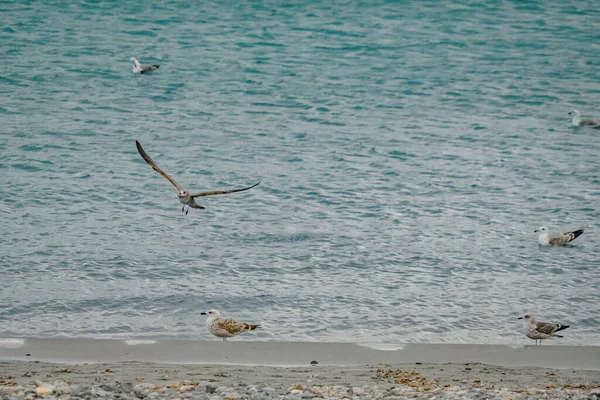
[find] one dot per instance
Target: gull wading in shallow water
(142, 69)
(186, 198)
(225, 327)
(540, 330)
(545, 240)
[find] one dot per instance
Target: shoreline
(289, 354)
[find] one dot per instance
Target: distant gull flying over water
(225, 327)
(185, 197)
(545, 240)
(541, 330)
(576, 121)
(137, 67)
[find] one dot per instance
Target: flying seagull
(185, 197)
(540, 330)
(137, 67)
(225, 327)
(545, 240)
(576, 121)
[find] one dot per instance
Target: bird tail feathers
(561, 327)
(577, 233)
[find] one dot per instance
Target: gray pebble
(79, 390)
(62, 388)
(271, 391)
(142, 390)
(210, 389)
(127, 387)
(109, 387)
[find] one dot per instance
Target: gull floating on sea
(137, 67)
(225, 327)
(545, 240)
(576, 121)
(185, 197)
(541, 330)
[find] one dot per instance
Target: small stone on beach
(41, 390)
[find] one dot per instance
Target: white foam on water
(11, 343)
(383, 346)
(136, 342)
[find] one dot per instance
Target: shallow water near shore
(406, 154)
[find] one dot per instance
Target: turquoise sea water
(407, 152)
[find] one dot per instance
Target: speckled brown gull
(546, 240)
(225, 327)
(541, 330)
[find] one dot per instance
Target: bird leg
(188, 210)
(182, 208)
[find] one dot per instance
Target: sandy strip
(386, 376)
(79, 351)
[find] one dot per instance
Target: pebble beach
(136, 380)
(112, 369)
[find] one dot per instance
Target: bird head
(527, 318)
(212, 313)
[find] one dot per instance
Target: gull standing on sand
(541, 330)
(576, 121)
(225, 327)
(545, 240)
(185, 197)
(137, 67)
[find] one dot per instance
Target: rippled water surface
(406, 152)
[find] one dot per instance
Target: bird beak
(537, 230)
(202, 313)
(520, 318)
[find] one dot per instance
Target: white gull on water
(545, 240)
(225, 327)
(137, 67)
(185, 197)
(576, 121)
(541, 330)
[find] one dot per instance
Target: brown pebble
(42, 390)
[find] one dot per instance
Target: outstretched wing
(147, 158)
(215, 192)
